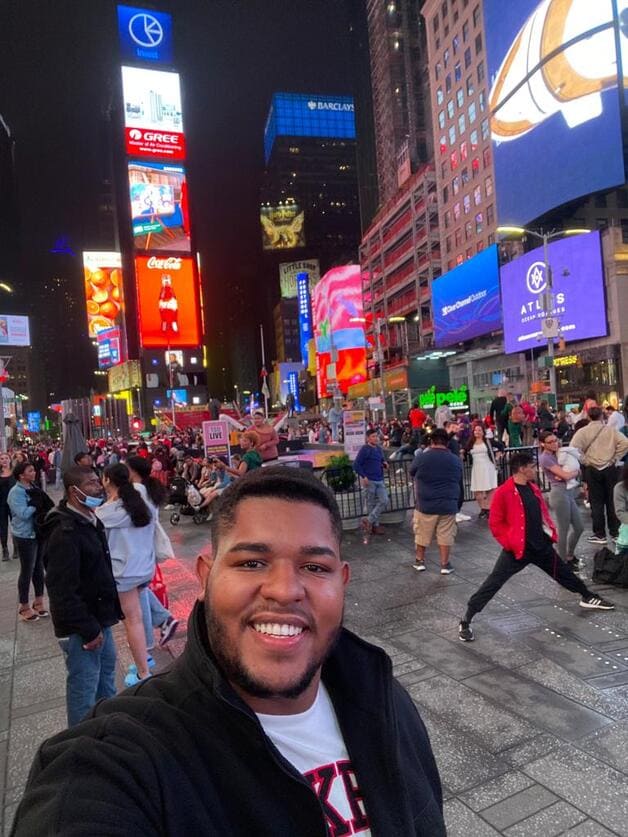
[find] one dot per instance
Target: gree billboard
(153, 121)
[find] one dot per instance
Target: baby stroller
(185, 497)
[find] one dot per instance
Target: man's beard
(238, 675)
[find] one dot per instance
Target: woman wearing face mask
(24, 537)
(7, 481)
(130, 529)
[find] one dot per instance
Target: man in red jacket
(521, 524)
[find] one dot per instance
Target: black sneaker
(593, 602)
(465, 632)
(168, 630)
(597, 539)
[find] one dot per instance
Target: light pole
(548, 296)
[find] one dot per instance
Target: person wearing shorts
(437, 473)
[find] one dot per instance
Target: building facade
(461, 127)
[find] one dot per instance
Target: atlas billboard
(555, 116)
(153, 121)
(168, 302)
(578, 288)
(104, 292)
(159, 206)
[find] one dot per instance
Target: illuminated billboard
(144, 35)
(109, 345)
(102, 273)
(338, 328)
(14, 330)
(578, 287)
(465, 300)
(282, 226)
(288, 272)
(159, 206)
(153, 122)
(554, 103)
(307, 115)
(168, 302)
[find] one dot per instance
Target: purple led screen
(579, 301)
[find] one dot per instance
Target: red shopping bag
(158, 586)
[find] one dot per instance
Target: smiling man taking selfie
(274, 721)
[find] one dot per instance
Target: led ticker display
(578, 288)
(305, 313)
(104, 299)
(466, 300)
(554, 104)
(159, 206)
(145, 35)
(304, 115)
(282, 226)
(168, 302)
(152, 113)
(108, 341)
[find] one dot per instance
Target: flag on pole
(264, 376)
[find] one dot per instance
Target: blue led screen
(145, 35)
(306, 115)
(554, 101)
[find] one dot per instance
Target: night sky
(58, 60)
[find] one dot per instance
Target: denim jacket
(22, 523)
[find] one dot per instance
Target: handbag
(162, 543)
(158, 586)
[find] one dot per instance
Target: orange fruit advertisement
(104, 297)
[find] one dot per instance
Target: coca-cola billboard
(168, 302)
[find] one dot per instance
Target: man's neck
(79, 508)
(520, 479)
(281, 705)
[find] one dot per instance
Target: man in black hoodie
(274, 721)
(82, 592)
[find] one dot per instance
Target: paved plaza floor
(529, 723)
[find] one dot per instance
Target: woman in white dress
(483, 470)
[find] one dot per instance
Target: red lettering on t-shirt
(321, 780)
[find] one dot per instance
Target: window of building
(482, 100)
(452, 134)
(470, 86)
(490, 214)
(448, 244)
(448, 219)
(455, 44)
(468, 230)
(476, 16)
(455, 185)
(443, 145)
(479, 222)
(475, 165)
(443, 168)
(457, 71)
(491, 239)
(462, 126)
(437, 70)
(465, 31)
(450, 264)
(472, 111)
(456, 16)
(456, 210)
(435, 22)
(441, 119)
(480, 72)
(479, 246)
(443, 10)
(437, 42)
(464, 153)
(450, 109)
(473, 139)
(477, 195)
(469, 252)
(446, 30)
(467, 58)
(464, 174)
(466, 204)
(486, 157)
(488, 186)
(458, 236)
(439, 96)
(453, 160)
(484, 127)
(448, 83)
(478, 43)
(446, 58)
(459, 260)
(460, 97)
(445, 194)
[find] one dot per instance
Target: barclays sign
(145, 35)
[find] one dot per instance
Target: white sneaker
(462, 518)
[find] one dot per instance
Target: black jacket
(181, 754)
(81, 587)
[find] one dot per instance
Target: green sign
(148, 227)
(458, 398)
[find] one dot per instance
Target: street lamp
(548, 296)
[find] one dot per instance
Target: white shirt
(313, 743)
(616, 420)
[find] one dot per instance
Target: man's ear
(204, 564)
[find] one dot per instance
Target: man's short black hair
(439, 437)
(519, 461)
(80, 456)
(278, 482)
(76, 476)
(595, 413)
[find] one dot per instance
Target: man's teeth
(275, 629)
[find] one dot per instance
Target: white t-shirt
(313, 743)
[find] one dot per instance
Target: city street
(529, 723)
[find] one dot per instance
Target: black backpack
(610, 568)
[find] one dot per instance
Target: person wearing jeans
(562, 501)
(23, 531)
(369, 465)
(83, 597)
